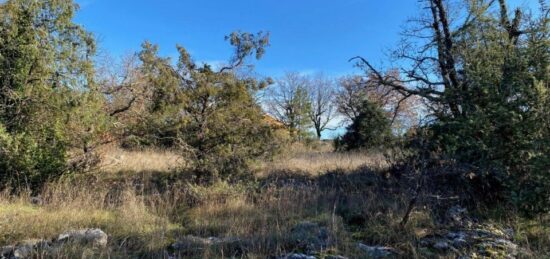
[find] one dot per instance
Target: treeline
(477, 78)
(309, 105)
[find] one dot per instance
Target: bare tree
(288, 102)
(430, 50)
(353, 90)
(322, 102)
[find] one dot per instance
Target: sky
(307, 36)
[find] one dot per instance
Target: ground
(305, 203)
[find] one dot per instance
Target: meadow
(145, 208)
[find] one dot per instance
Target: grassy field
(144, 208)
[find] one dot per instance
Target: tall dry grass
(63, 206)
(115, 160)
(316, 163)
(147, 221)
(355, 205)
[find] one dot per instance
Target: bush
(27, 161)
(370, 129)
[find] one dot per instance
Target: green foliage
(29, 160)
(210, 115)
(502, 127)
(48, 104)
(370, 129)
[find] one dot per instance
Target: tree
(322, 110)
(353, 90)
(40, 47)
(46, 84)
(289, 102)
(485, 78)
(370, 129)
(351, 93)
(210, 115)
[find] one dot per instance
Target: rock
(458, 239)
(95, 237)
(191, 245)
(377, 251)
(6, 252)
(26, 249)
(41, 248)
(310, 237)
(296, 256)
(37, 201)
(498, 248)
(335, 257)
(458, 216)
(470, 239)
(441, 245)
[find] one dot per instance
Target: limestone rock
(335, 257)
(441, 245)
(296, 256)
(95, 237)
(377, 251)
(310, 237)
(470, 239)
(25, 249)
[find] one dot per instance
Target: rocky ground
(462, 237)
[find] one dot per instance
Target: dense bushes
(485, 82)
(27, 160)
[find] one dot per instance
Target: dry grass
(116, 160)
(152, 220)
(73, 206)
(316, 163)
(353, 205)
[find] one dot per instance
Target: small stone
(458, 239)
(296, 256)
(37, 201)
(29, 247)
(377, 251)
(441, 245)
(7, 252)
(310, 237)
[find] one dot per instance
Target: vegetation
(176, 158)
(486, 96)
(370, 129)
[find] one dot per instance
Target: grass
(318, 163)
(115, 160)
(76, 207)
(337, 191)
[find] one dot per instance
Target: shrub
(370, 129)
(27, 161)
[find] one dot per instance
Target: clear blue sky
(307, 36)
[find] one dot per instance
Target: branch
(397, 85)
(125, 108)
